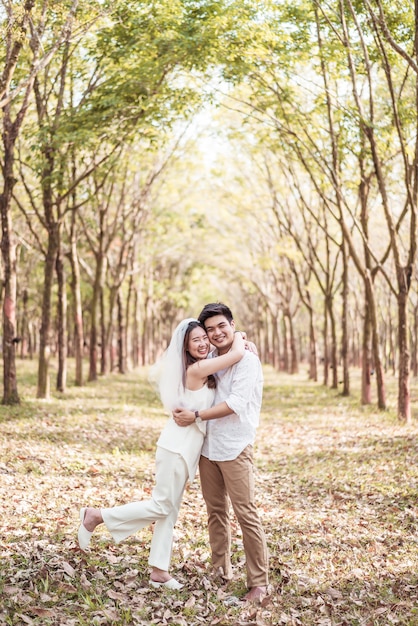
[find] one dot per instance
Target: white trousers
(171, 475)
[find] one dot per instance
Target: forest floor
(336, 488)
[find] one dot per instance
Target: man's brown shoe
(255, 594)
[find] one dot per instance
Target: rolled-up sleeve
(241, 387)
(246, 385)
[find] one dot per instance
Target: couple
(220, 397)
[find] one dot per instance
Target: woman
(184, 376)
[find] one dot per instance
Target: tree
(15, 102)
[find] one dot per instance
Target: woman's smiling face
(198, 345)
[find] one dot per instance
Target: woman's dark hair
(188, 359)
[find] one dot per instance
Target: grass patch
(336, 488)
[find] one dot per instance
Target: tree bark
(62, 321)
(415, 343)
(294, 364)
(313, 358)
(366, 365)
(286, 360)
(378, 367)
(14, 38)
(121, 357)
(43, 390)
(77, 307)
(404, 391)
(334, 346)
(8, 251)
(95, 308)
(344, 324)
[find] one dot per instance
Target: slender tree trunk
(53, 233)
(62, 322)
(366, 365)
(344, 324)
(392, 347)
(24, 333)
(128, 326)
(380, 379)
(106, 337)
(43, 390)
(313, 358)
(334, 346)
(276, 342)
(77, 310)
(8, 251)
(415, 343)
(325, 341)
(109, 330)
(286, 360)
(95, 308)
(404, 392)
(136, 334)
(294, 365)
(265, 355)
(144, 339)
(121, 356)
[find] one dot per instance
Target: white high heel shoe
(169, 584)
(84, 535)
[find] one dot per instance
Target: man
(226, 463)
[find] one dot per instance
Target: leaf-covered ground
(337, 491)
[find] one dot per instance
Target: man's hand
(183, 417)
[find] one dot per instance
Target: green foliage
(142, 52)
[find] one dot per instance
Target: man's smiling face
(220, 332)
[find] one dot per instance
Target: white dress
(176, 460)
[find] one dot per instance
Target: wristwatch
(197, 417)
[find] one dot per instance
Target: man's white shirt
(241, 387)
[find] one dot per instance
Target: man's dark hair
(215, 308)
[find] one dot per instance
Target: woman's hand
(183, 417)
(249, 345)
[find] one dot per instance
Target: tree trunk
(121, 357)
(95, 307)
(344, 324)
(8, 251)
(392, 346)
(325, 349)
(415, 343)
(24, 330)
(18, 25)
(128, 327)
(313, 359)
(334, 346)
(43, 390)
(380, 379)
(404, 392)
(294, 365)
(366, 365)
(276, 343)
(62, 322)
(286, 360)
(265, 355)
(105, 338)
(77, 310)
(113, 313)
(136, 334)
